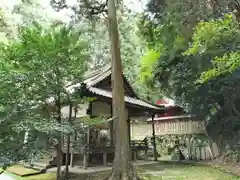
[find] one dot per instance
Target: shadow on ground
(169, 171)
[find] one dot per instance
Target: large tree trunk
(59, 145)
(122, 167)
(59, 159)
(68, 143)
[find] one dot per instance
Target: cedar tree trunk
(68, 143)
(122, 167)
(59, 145)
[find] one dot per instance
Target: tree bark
(122, 167)
(59, 145)
(68, 143)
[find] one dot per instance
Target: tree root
(128, 173)
(122, 176)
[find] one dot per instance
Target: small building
(97, 145)
(173, 121)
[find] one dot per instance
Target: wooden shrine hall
(99, 145)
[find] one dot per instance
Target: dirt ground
(231, 168)
(163, 171)
(169, 171)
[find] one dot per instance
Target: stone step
(40, 164)
(37, 166)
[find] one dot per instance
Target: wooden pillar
(87, 139)
(146, 150)
(73, 137)
(154, 139)
(85, 159)
(86, 153)
(105, 158)
(134, 158)
(71, 159)
(129, 131)
(129, 138)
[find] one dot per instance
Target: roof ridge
(98, 77)
(132, 100)
(103, 73)
(96, 72)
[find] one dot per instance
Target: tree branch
(96, 8)
(58, 4)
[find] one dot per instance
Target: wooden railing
(100, 144)
(104, 145)
(139, 145)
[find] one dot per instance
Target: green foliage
(87, 121)
(226, 64)
(147, 63)
(22, 13)
(199, 61)
(35, 71)
(231, 155)
(220, 40)
(211, 34)
(181, 65)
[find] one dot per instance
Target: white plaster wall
(82, 110)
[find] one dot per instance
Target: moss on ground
(20, 170)
(159, 171)
(169, 171)
(50, 176)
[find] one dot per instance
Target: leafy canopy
(199, 59)
(35, 70)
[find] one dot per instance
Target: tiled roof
(127, 99)
(96, 71)
(171, 117)
(93, 78)
(98, 77)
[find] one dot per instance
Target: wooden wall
(177, 126)
(101, 109)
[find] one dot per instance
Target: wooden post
(129, 138)
(154, 139)
(87, 139)
(146, 150)
(86, 154)
(134, 155)
(129, 131)
(105, 158)
(73, 138)
(85, 159)
(187, 142)
(71, 159)
(194, 149)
